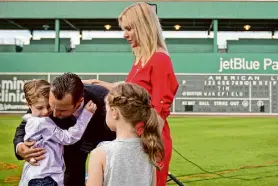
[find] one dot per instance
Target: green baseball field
(207, 151)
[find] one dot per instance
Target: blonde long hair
(133, 102)
(143, 19)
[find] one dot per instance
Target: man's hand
(29, 154)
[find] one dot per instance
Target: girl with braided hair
(133, 157)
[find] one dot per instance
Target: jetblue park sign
(245, 64)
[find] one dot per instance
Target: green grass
(218, 144)
(10, 167)
(231, 151)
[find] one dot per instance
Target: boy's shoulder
(29, 118)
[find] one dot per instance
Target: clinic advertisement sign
(12, 99)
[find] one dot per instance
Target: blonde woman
(152, 69)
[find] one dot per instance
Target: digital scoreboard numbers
(218, 93)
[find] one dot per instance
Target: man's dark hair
(68, 83)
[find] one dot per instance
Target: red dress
(158, 78)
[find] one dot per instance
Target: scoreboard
(255, 94)
(226, 93)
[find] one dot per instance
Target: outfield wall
(216, 83)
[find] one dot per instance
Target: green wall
(206, 10)
(121, 62)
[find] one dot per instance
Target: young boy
(44, 131)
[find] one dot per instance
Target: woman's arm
(104, 84)
(161, 122)
(164, 87)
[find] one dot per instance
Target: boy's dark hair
(68, 83)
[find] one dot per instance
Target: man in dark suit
(67, 98)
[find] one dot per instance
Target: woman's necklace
(136, 72)
(138, 68)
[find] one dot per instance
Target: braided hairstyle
(134, 105)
